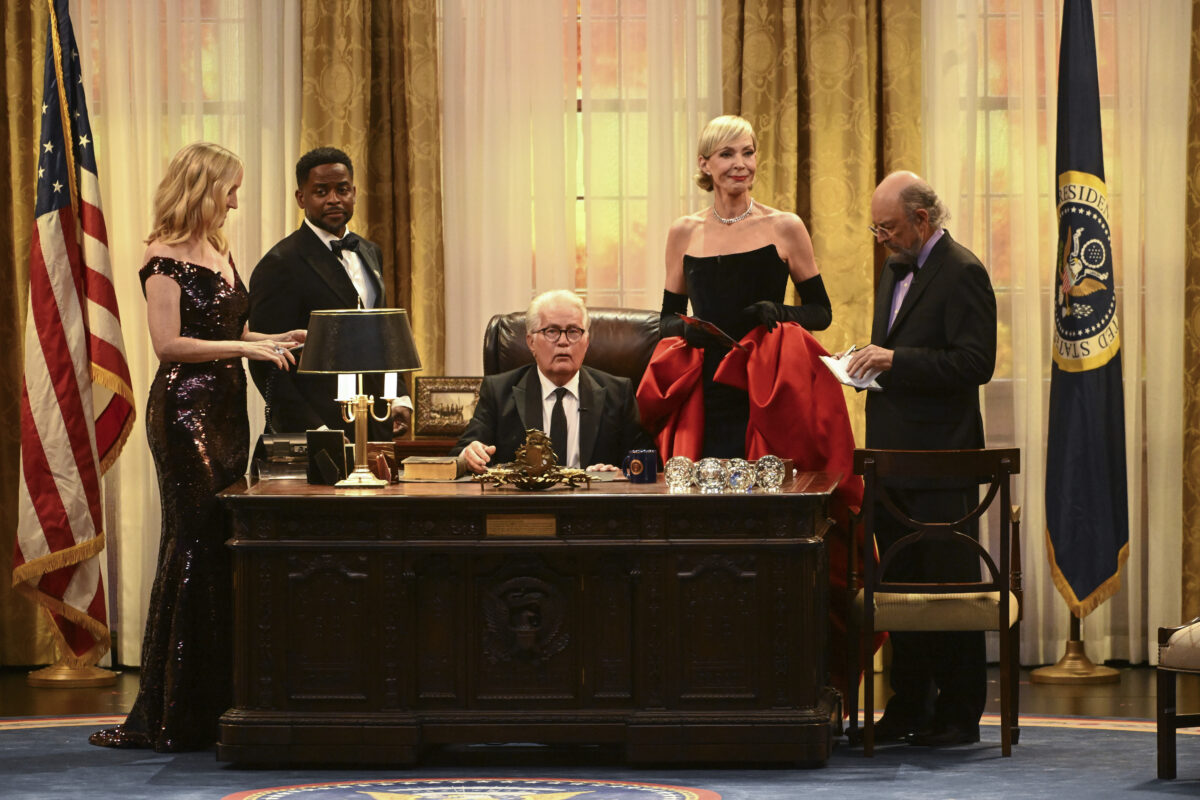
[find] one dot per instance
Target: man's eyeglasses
(552, 334)
(880, 231)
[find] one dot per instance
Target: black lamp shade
(359, 340)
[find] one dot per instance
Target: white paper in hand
(838, 367)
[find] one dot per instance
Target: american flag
(76, 402)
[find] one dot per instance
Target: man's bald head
(907, 211)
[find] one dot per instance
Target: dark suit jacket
(944, 343)
(297, 276)
(511, 402)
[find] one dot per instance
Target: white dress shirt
(356, 270)
(570, 408)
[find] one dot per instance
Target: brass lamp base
(356, 410)
(63, 676)
(1075, 668)
(361, 478)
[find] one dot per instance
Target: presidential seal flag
(76, 401)
(1087, 521)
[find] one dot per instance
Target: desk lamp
(358, 341)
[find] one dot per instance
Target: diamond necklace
(738, 218)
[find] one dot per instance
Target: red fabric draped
(786, 383)
(670, 399)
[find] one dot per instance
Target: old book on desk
(432, 468)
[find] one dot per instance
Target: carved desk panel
(683, 627)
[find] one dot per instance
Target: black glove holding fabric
(671, 325)
(815, 313)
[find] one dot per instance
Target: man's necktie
(901, 270)
(348, 242)
(558, 427)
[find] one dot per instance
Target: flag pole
(1075, 667)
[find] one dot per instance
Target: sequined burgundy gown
(197, 427)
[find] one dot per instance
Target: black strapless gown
(198, 431)
(719, 287)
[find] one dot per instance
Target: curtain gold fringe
(1081, 608)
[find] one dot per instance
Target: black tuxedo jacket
(297, 276)
(511, 402)
(944, 343)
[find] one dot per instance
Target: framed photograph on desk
(444, 406)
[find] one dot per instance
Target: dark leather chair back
(621, 342)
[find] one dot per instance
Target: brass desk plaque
(521, 526)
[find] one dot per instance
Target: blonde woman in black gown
(196, 424)
(733, 261)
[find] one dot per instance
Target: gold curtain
(371, 89)
(25, 636)
(833, 90)
(1191, 349)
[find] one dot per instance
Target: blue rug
(1060, 758)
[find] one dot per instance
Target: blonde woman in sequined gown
(197, 428)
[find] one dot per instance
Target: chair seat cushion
(961, 611)
(1182, 650)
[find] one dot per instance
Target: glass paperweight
(770, 472)
(739, 474)
(679, 473)
(710, 475)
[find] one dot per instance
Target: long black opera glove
(668, 323)
(671, 325)
(815, 312)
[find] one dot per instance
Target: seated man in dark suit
(591, 416)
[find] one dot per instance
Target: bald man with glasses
(590, 415)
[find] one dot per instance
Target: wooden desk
(684, 627)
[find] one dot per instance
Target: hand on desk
(478, 455)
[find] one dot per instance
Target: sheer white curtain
(507, 92)
(565, 162)
(161, 75)
(989, 115)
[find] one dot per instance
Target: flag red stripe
(55, 582)
(43, 492)
(101, 291)
(109, 424)
(105, 355)
(93, 222)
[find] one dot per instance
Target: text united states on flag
(76, 402)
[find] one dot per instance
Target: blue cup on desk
(641, 466)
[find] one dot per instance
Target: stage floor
(1132, 697)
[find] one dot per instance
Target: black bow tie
(901, 269)
(348, 242)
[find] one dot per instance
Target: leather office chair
(1178, 652)
(992, 603)
(620, 342)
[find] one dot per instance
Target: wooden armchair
(992, 603)
(1178, 652)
